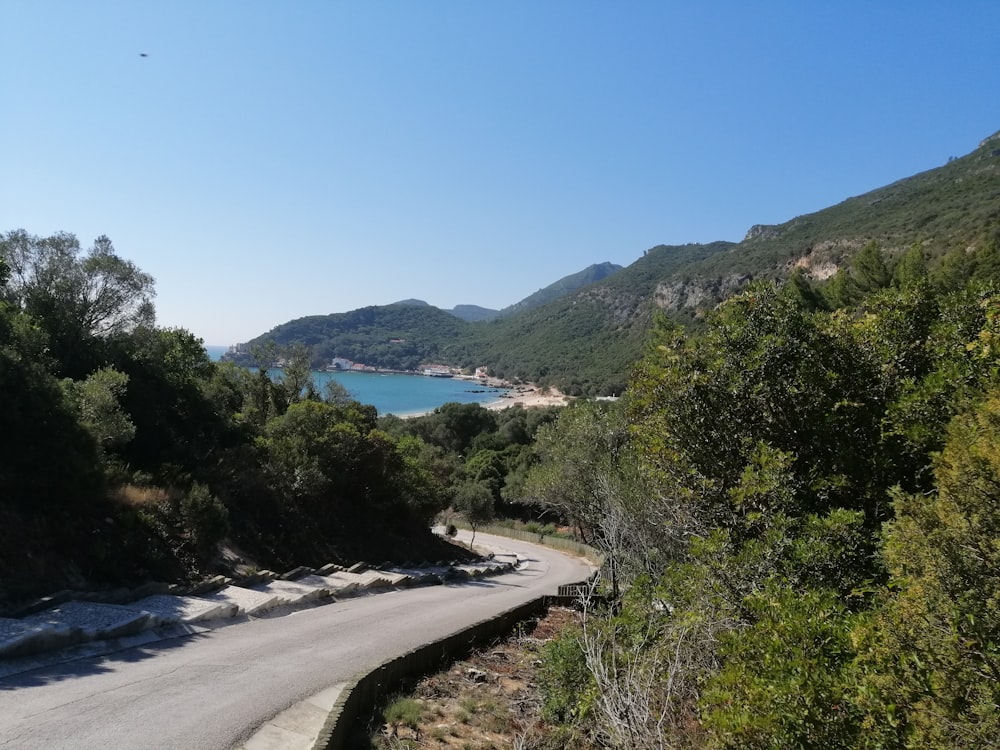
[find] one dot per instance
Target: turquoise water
(397, 394)
(408, 394)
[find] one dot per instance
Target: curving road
(214, 689)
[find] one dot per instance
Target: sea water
(401, 395)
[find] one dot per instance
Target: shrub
(205, 519)
(403, 712)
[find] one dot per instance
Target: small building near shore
(339, 363)
(437, 371)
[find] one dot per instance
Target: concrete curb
(72, 618)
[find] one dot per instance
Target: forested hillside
(404, 335)
(401, 336)
(586, 277)
(586, 341)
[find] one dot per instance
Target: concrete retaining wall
(359, 697)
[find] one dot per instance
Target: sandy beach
(529, 396)
(526, 396)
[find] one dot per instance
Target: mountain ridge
(585, 340)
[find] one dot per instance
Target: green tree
(764, 373)
(49, 459)
(577, 454)
(474, 501)
(785, 682)
(97, 402)
(932, 660)
(956, 268)
(76, 298)
(869, 269)
(911, 269)
(205, 519)
(179, 428)
(809, 297)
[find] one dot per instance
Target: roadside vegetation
(800, 506)
(490, 700)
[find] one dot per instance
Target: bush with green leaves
(204, 517)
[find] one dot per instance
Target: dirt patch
(488, 701)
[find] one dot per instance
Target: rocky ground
(489, 701)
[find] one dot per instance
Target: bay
(215, 352)
(392, 393)
(407, 395)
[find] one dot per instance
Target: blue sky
(270, 160)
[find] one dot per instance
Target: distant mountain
(586, 342)
(585, 332)
(473, 313)
(565, 285)
(468, 313)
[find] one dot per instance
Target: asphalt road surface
(214, 689)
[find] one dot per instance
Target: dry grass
(489, 701)
(130, 494)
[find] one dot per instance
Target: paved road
(214, 689)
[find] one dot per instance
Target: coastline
(525, 396)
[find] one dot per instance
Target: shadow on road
(82, 661)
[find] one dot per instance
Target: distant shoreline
(524, 395)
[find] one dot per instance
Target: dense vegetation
(587, 340)
(801, 503)
(130, 456)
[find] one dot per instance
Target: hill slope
(584, 332)
(565, 285)
(593, 336)
(400, 336)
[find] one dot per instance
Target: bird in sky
(143, 54)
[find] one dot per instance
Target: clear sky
(268, 160)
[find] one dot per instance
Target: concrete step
(346, 578)
(19, 637)
(295, 591)
(395, 578)
(187, 609)
(93, 620)
(247, 601)
(421, 576)
(337, 583)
